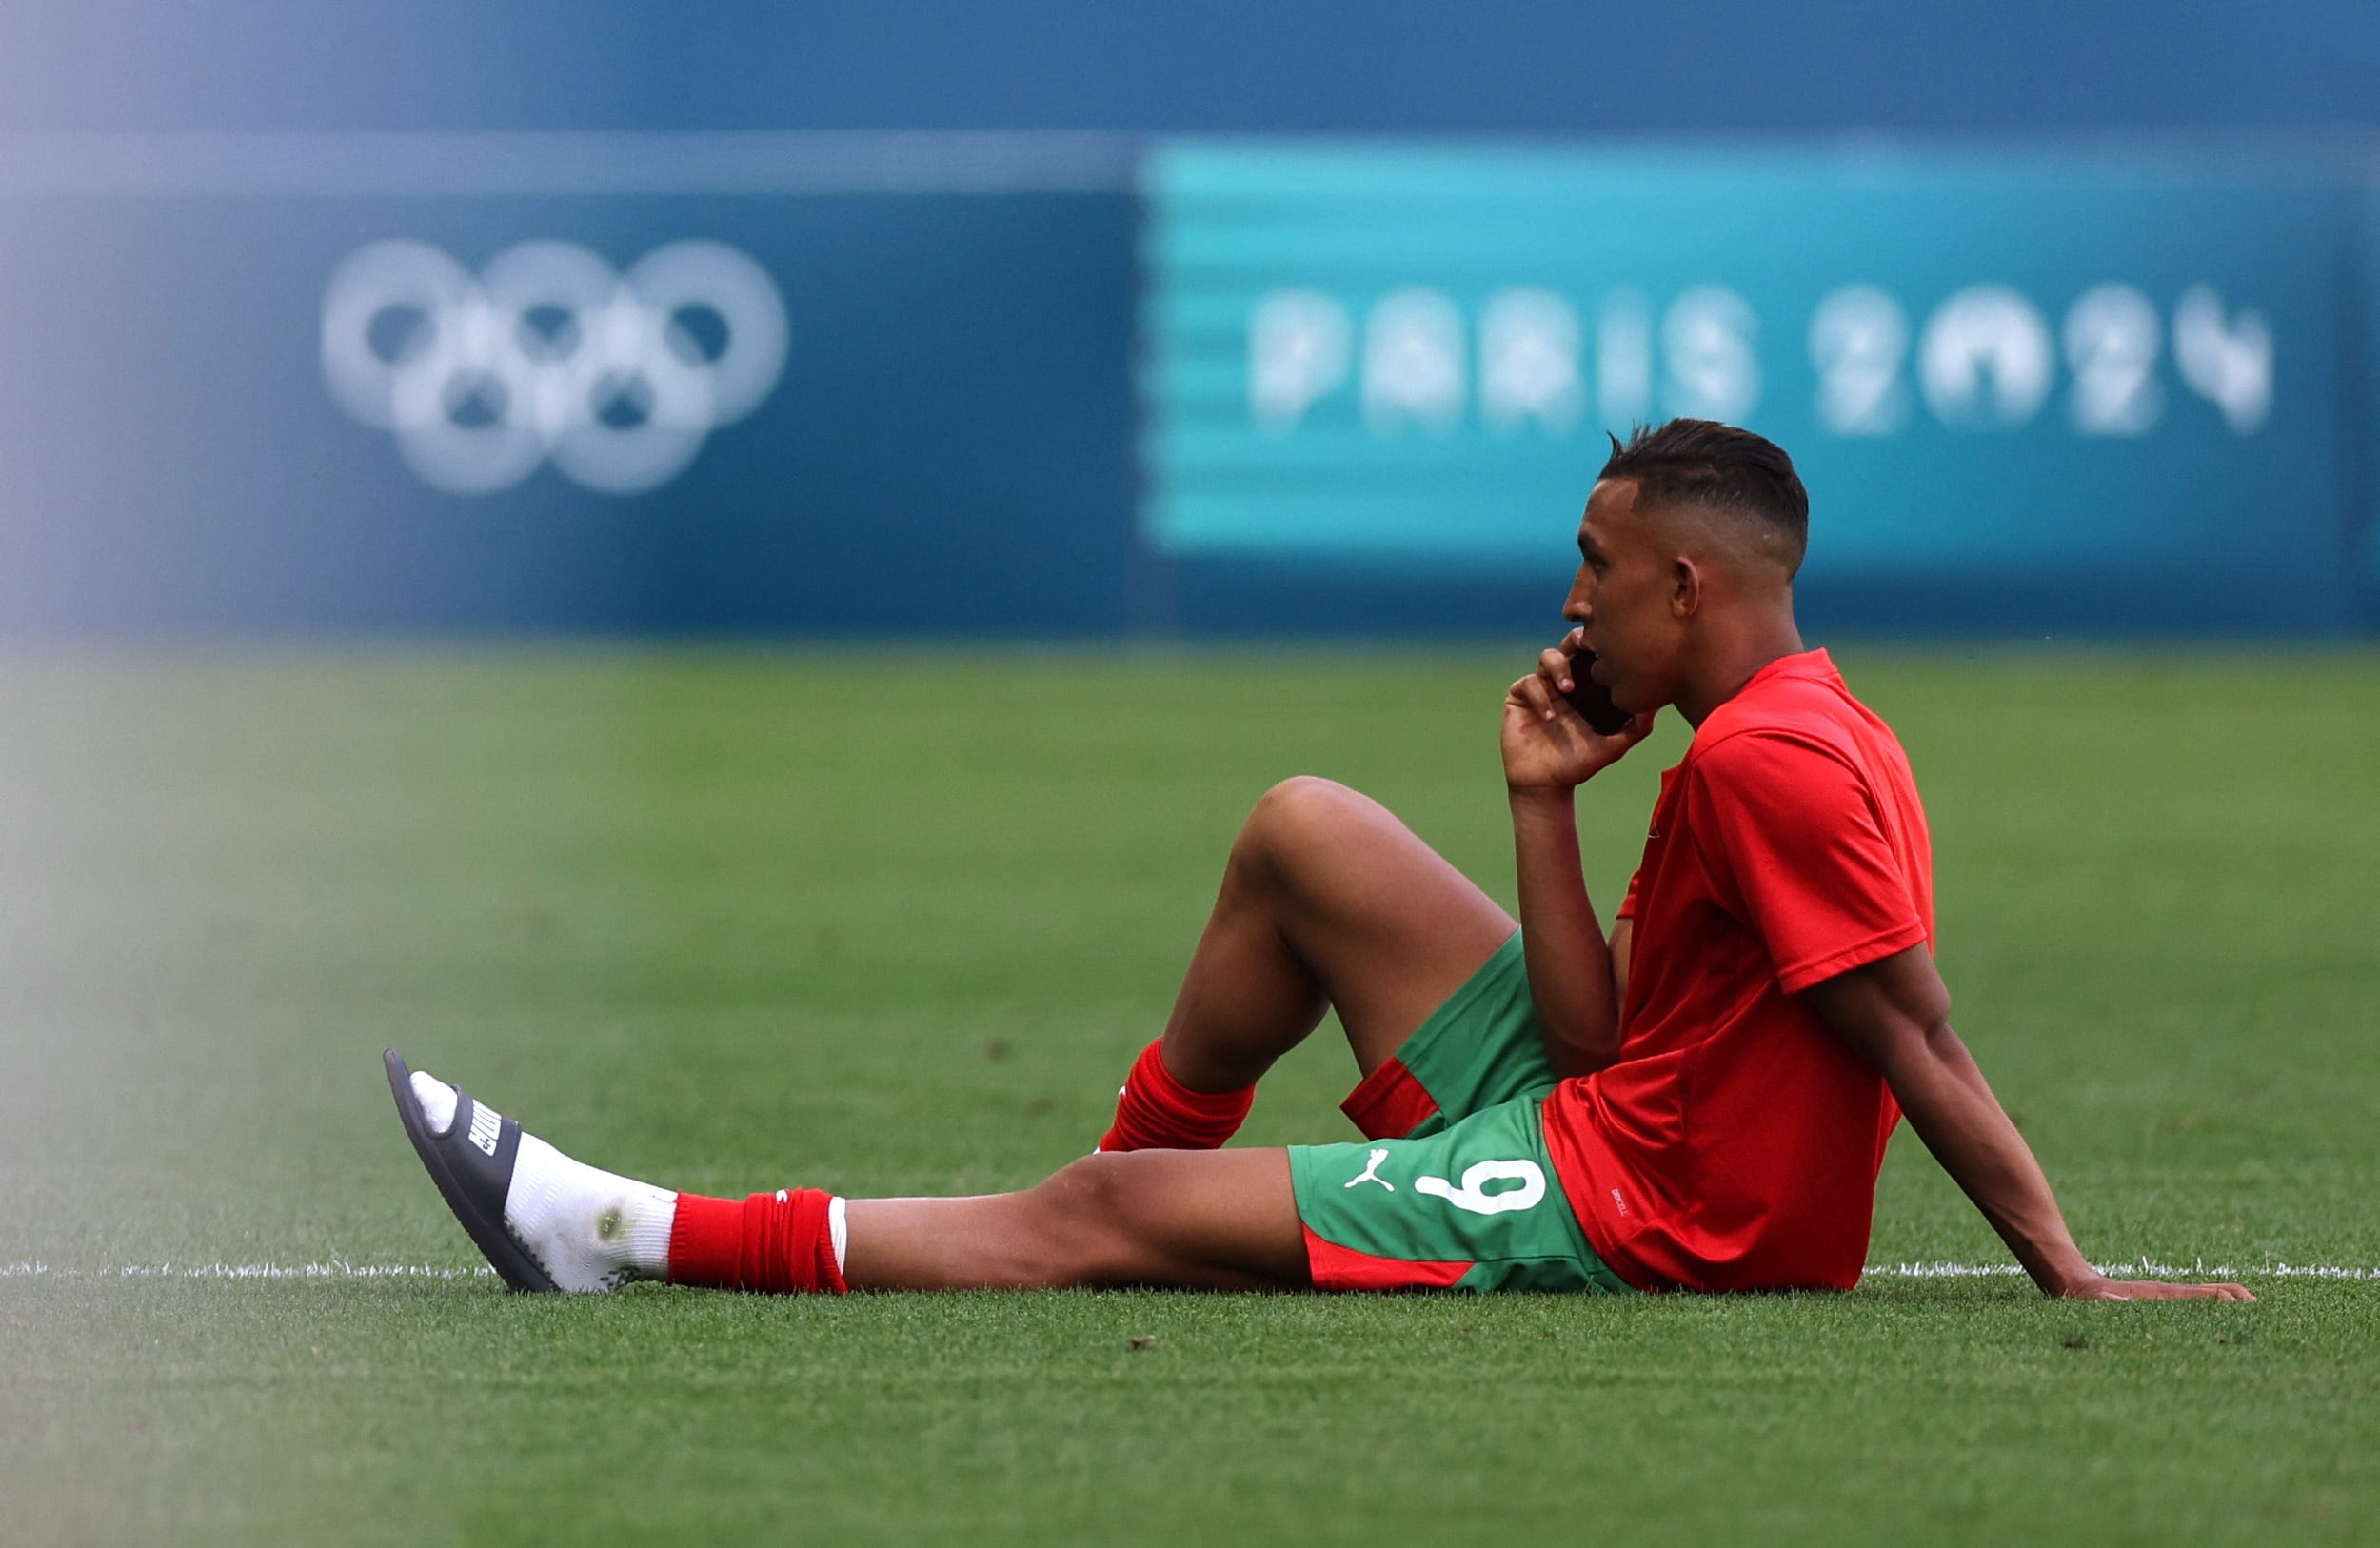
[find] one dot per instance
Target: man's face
(1623, 600)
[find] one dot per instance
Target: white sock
(588, 1229)
(437, 1100)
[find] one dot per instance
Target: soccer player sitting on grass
(1698, 1102)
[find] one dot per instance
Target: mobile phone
(1592, 701)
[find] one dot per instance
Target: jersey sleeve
(1792, 833)
(1628, 904)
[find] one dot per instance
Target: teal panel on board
(2062, 369)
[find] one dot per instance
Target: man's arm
(1895, 1013)
(1572, 977)
(1549, 751)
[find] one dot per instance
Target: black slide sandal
(472, 1163)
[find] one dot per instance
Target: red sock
(779, 1242)
(1157, 1112)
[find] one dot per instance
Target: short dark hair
(1700, 462)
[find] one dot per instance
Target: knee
(1085, 1219)
(1294, 818)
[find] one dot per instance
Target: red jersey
(1735, 1144)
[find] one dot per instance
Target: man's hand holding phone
(1561, 725)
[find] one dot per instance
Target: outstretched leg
(1328, 902)
(1189, 1220)
(1192, 1219)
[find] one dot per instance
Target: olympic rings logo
(550, 352)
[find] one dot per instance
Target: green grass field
(891, 924)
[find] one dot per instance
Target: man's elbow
(1581, 1053)
(1944, 1046)
(1917, 1056)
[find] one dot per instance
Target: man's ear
(1685, 598)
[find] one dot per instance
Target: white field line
(340, 1269)
(335, 1269)
(2141, 1268)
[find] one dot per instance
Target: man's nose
(1575, 606)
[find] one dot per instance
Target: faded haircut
(1720, 468)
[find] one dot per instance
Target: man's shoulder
(1772, 759)
(1782, 728)
(1800, 710)
(1795, 744)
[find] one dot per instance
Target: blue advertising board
(502, 411)
(2363, 268)
(816, 384)
(2047, 391)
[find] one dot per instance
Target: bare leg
(1192, 1219)
(1328, 902)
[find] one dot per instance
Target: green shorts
(1454, 1190)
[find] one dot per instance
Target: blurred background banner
(2041, 390)
(1057, 319)
(498, 384)
(884, 384)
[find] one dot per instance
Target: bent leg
(1192, 1219)
(1328, 902)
